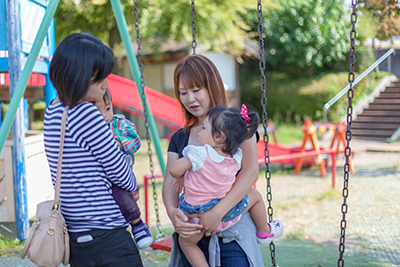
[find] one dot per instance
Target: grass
(9, 244)
(288, 133)
(301, 253)
(293, 251)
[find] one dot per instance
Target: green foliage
(39, 107)
(365, 57)
(219, 24)
(291, 99)
(288, 133)
(303, 36)
(366, 26)
(92, 16)
(385, 15)
(10, 246)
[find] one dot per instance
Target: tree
(219, 25)
(303, 36)
(93, 16)
(386, 13)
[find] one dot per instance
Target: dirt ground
(310, 208)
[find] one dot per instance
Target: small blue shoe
(142, 236)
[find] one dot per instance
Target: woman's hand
(182, 225)
(210, 220)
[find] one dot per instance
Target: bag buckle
(51, 231)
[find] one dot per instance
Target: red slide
(166, 110)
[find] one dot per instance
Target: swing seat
(163, 244)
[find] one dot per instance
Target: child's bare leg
(192, 252)
(258, 211)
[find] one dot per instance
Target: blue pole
(49, 90)
(26, 115)
(18, 151)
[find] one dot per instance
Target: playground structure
(19, 25)
(125, 95)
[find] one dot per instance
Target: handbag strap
(60, 154)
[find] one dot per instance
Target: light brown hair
(197, 71)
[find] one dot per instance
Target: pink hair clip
(243, 112)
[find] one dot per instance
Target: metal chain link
(265, 122)
(347, 151)
(194, 42)
(160, 233)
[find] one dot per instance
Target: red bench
(303, 155)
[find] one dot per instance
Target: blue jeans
(232, 254)
(232, 214)
(104, 248)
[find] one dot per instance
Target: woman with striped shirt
(92, 161)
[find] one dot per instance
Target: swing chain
(265, 123)
(194, 42)
(347, 151)
(160, 233)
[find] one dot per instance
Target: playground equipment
(165, 109)
(310, 130)
(19, 25)
(287, 155)
(347, 150)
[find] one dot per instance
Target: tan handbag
(48, 241)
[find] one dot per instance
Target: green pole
(133, 63)
(26, 73)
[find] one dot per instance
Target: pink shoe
(276, 231)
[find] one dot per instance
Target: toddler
(209, 172)
(128, 140)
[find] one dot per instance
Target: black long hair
(230, 122)
(79, 61)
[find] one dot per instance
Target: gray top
(243, 232)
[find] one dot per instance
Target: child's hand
(179, 184)
(135, 194)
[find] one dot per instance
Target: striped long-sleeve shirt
(91, 162)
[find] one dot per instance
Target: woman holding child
(198, 87)
(92, 161)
